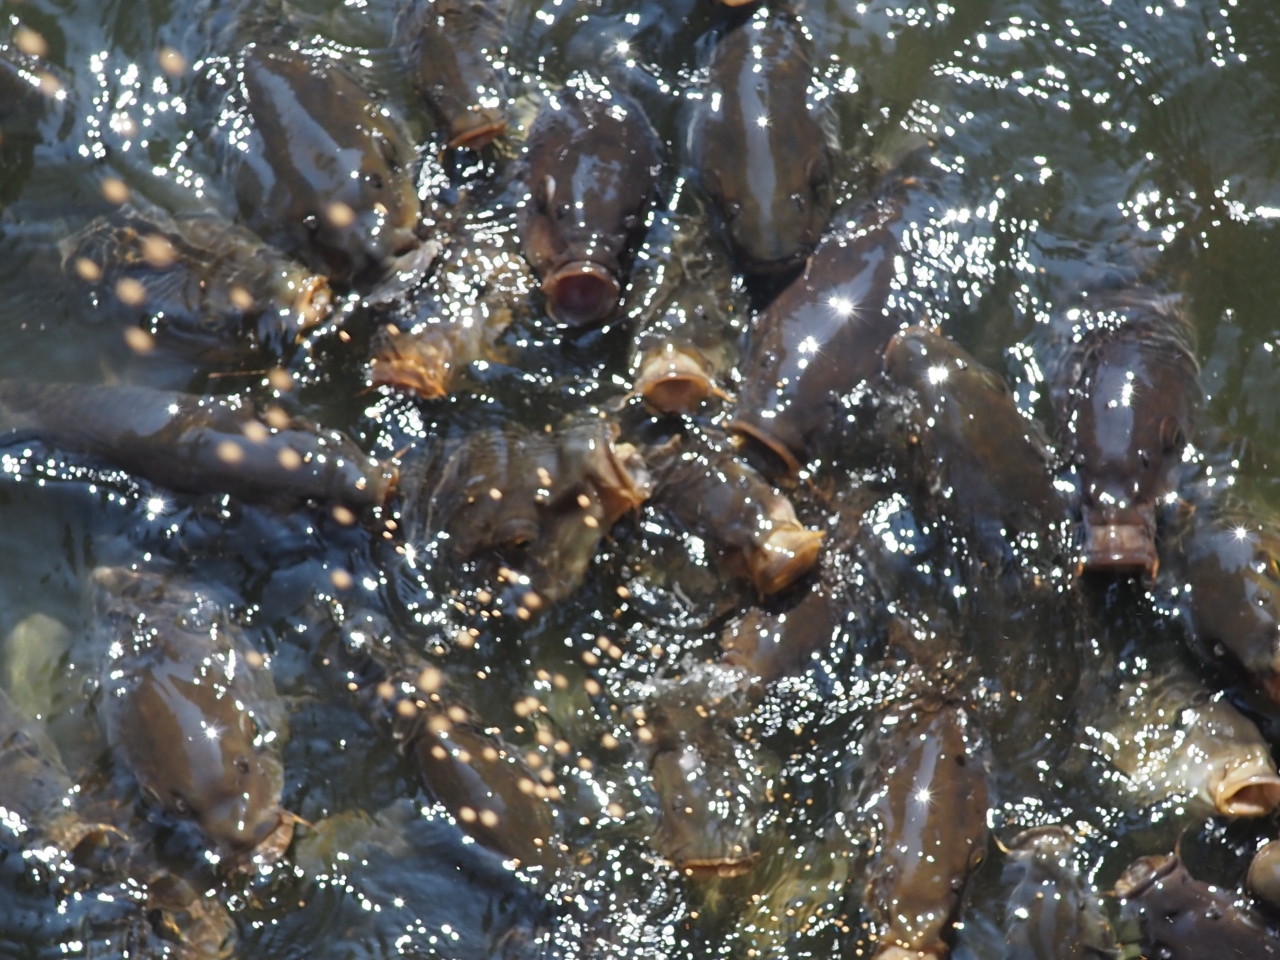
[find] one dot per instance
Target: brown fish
(455, 50)
(929, 810)
(772, 646)
(761, 153)
(197, 280)
(323, 170)
(1125, 393)
(191, 712)
(538, 502)
(976, 460)
(195, 445)
(709, 491)
(818, 342)
(1182, 918)
(593, 163)
(1263, 878)
(1232, 557)
(1050, 915)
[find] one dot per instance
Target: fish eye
(517, 534)
(241, 764)
(374, 180)
(1171, 435)
(180, 804)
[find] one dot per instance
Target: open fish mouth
(710, 868)
(275, 839)
(1143, 874)
(1120, 547)
(313, 303)
(775, 448)
(1244, 794)
(675, 381)
(787, 554)
(478, 133)
(581, 294)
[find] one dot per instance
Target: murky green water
(1066, 136)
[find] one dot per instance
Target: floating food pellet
(488, 818)
(584, 763)
(230, 452)
(533, 759)
(591, 686)
(280, 379)
(343, 515)
(439, 724)
(560, 681)
(466, 815)
(615, 810)
(30, 42)
(591, 521)
(609, 741)
(386, 690)
(241, 299)
(495, 493)
(463, 638)
(490, 754)
(255, 432)
(589, 658)
(87, 270)
(289, 458)
(429, 680)
(623, 592)
(526, 786)
(172, 62)
(483, 596)
(158, 251)
(407, 709)
(131, 292)
(138, 340)
(114, 191)
(341, 579)
(532, 601)
(457, 714)
(439, 752)
(545, 737)
(523, 613)
(562, 747)
(340, 215)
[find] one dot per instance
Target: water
(1067, 139)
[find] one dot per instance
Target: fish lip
(594, 287)
(769, 442)
(270, 844)
(480, 135)
(1030, 837)
(787, 554)
(674, 381)
(1250, 795)
(313, 303)
(1120, 547)
(709, 868)
(1144, 873)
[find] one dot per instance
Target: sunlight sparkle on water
(938, 374)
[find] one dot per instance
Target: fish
(1230, 558)
(593, 162)
(770, 646)
(1263, 878)
(821, 340)
(758, 143)
(974, 459)
(190, 710)
(199, 282)
(1125, 395)
(715, 495)
(1168, 735)
(455, 49)
(1182, 918)
(196, 445)
(1050, 914)
(322, 171)
(538, 502)
(928, 806)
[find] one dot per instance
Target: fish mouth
(274, 838)
(581, 294)
(1119, 548)
(481, 132)
(908, 953)
(623, 482)
(1143, 874)
(675, 381)
(1050, 833)
(1242, 793)
(425, 370)
(712, 868)
(773, 447)
(787, 554)
(313, 303)
(1261, 879)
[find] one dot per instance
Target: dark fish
(455, 50)
(1125, 393)
(197, 280)
(1050, 915)
(976, 460)
(593, 162)
(190, 924)
(1182, 918)
(772, 646)
(720, 498)
(538, 502)
(1232, 557)
(191, 711)
(195, 445)
(761, 154)
(821, 339)
(688, 327)
(323, 170)
(1263, 878)
(929, 810)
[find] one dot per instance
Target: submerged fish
(455, 49)
(1182, 918)
(1125, 392)
(1050, 915)
(197, 280)
(1263, 878)
(819, 342)
(928, 805)
(322, 170)
(195, 445)
(191, 711)
(1169, 736)
(593, 162)
(761, 153)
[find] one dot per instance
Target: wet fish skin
(1050, 915)
(710, 491)
(1125, 395)
(1182, 918)
(452, 49)
(187, 713)
(929, 806)
(593, 164)
(194, 445)
(822, 337)
(772, 646)
(207, 282)
(761, 154)
(1231, 554)
(1263, 878)
(539, 502)
(974, 458)
(325, 171)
